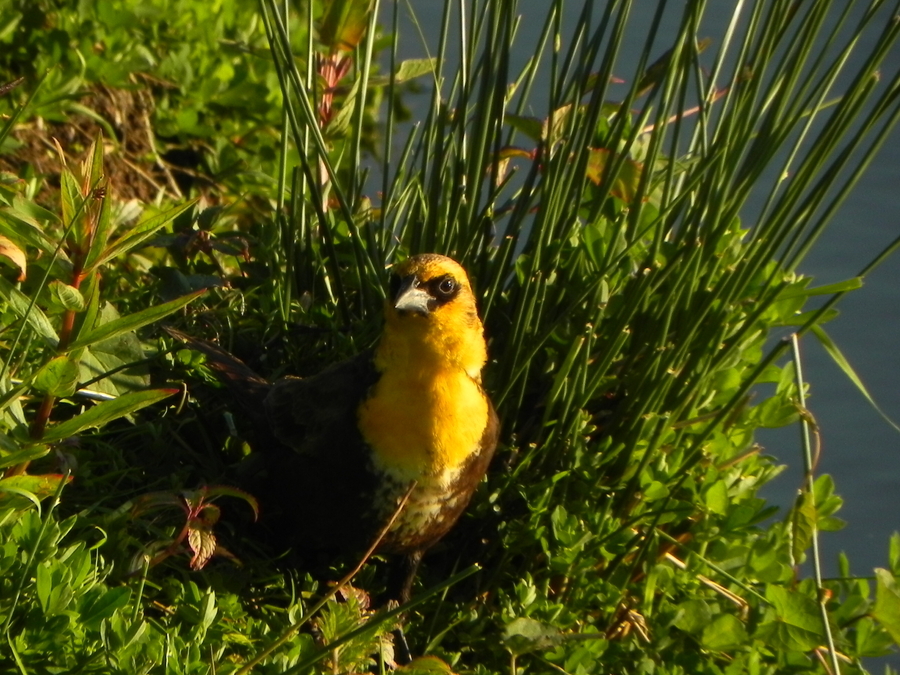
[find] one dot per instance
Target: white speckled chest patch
(429, 500)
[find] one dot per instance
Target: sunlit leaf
(413, 68)
(41, 486)
(693, 616)
(57, 377)
(524, 635)
(797, 625)
(887, 602)
(23, 307)
(426, 665)
(114, 356)
(628, 179)
(26, 454)
(726, 632)
(803, 524)
(137, 236)
(132, 322)
(530, 126)
(14, 255)
(201, 537)
(344, 23)
(103, 413)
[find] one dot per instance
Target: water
(859, 449)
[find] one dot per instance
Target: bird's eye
(447, 286)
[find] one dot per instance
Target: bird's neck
(425, 352)
(425, 416)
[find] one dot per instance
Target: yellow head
(431, 319)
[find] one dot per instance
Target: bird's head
(431, 310)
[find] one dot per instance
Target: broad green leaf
(693, 616)
(894, 553)
(71, 199)
(872, 639)
(803, 524)
(655, 491)
(132, 322)
(138, 235)
(26, 454)
(41, 486)
(524, 635)
(105, 412)
(58, 377)
(65, 296)
(413, 68)
(103, 605)
(717, 498)
(726, 632)
(16, 498)
(887, 603)
(102, 225)
(844, 365)
(22, 305)
(797, 625)
(19, 223)
(530, 126)
(113, 356)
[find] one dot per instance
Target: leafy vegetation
(627, 304)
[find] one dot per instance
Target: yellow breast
(423, 426)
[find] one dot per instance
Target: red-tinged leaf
(628, 179)
(202, 541)
(344, 24)
(15, 255)
(228, 491)
(105, 412)
(209, 515)
(223, 552)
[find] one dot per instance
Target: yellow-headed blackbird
(344, 446)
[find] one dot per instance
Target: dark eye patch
(396, 282)
(443, 289)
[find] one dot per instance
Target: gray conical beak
(411, 298)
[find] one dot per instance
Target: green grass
(627, 305)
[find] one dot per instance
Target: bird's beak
(411, 298)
